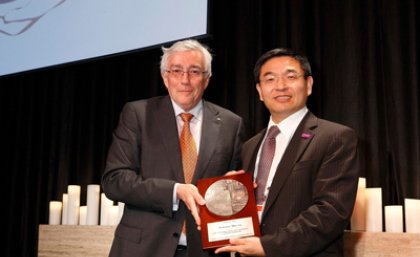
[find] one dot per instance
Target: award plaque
(230, 210)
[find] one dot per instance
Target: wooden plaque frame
(249, 211)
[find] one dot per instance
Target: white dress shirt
(195, 126)
(287, 128)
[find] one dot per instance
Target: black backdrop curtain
(57, 123)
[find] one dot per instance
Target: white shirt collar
(288, 126)
(197, 111)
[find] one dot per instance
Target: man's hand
(249, 246)
(189, 194)
(234, 172)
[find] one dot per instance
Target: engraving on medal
(226, 197)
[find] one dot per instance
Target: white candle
(92, 203)
(105, 205)
(412, 215)
(358, 218)
(373, 207)
(112, 215)
(394, 218)
(83, 215)
(55, 213)
(65, 205)
(73, 192)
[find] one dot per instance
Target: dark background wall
(57, 123)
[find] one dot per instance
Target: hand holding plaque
(230, 210)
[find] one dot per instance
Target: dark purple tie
(264, 165)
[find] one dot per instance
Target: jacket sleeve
(123, 180)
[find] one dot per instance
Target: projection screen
(41, 33)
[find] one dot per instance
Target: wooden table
(95, 241)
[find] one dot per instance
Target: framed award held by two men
(230, 210)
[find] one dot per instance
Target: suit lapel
(250, 151)
(299, 142)
(209, 135)
(164, 116)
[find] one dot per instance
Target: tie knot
(186, 117)
(273, 132)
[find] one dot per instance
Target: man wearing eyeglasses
(152, 149)
(306, 168)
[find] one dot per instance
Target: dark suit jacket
(144, 162)
(313, 191)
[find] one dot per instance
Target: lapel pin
(306, 135)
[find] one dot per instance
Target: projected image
(17, 16)
(37, 34)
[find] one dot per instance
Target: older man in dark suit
(160, 148)
(305, 168)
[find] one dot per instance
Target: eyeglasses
(287, 78)
(192, 73)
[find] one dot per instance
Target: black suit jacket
(313, 191)
(144, 163)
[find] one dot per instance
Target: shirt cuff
(175, 200)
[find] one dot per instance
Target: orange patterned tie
(188, 149)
